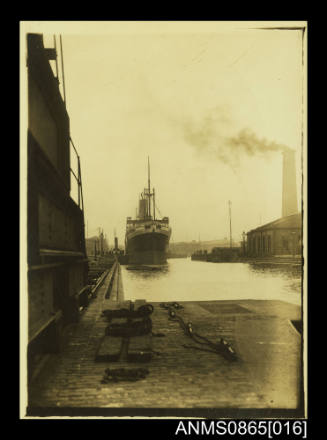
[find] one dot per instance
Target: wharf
(263, 261)
(264, 382)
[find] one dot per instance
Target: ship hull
(148, 248)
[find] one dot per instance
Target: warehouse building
(282, 237)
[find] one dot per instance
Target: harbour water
(186, 280)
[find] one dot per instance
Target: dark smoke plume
(211, 137)
(246, 141)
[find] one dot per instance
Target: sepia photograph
(163, 216)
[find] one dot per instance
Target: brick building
(280, 237)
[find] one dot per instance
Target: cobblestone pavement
(265, 376)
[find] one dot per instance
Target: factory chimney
(289, 202)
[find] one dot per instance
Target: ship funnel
(142, 208)
(289, 196)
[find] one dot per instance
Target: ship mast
(149, 193)
(230, 224)
(146, 199)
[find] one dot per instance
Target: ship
(147, 236)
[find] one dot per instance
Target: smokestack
(289, 202)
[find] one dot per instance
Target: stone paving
(266, 375)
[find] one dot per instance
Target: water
(187, 280)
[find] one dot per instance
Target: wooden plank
(109, 349)
(114, 323)
(140, 349)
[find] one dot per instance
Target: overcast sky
(192, 96)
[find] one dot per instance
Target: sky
(212, 104)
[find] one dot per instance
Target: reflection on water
(186, 280)
(287, 271)
(148, 273)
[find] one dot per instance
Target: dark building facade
(278, 238)
(57, 263)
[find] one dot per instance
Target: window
(285, 243)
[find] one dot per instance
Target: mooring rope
(222, 347)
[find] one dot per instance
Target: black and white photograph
(163, 215)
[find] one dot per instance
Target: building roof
(290, 221)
